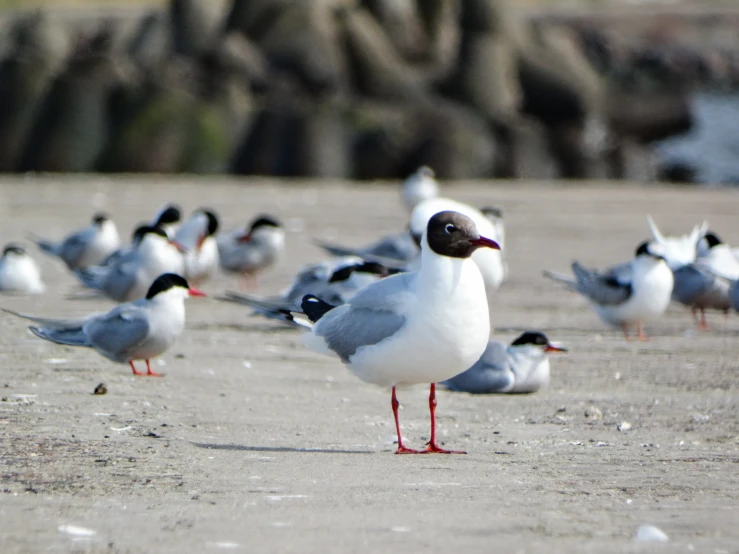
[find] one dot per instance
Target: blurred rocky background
(371, 89)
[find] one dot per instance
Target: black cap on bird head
(168, 215)
(263, 221)
(712, 239)
(14, 249)
(426, 171)
(535, 338)
(100, 218)
(144, 230)
(455, 235)
(652, 249)
(168, 281)
(212, 221)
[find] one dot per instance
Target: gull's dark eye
(449, 228)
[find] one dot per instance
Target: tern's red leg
(401, 448)
(133, 368)
(432, 446)
(149, 372)
(702, 323)
(640, 332)
(625, 329)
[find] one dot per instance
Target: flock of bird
(408, 309)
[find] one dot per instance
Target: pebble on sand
(650, 533)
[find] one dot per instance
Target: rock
(650, 533)
(149, 44)
(593, 412)
(325, 148)
(648, 117)
(241, 55)
(402, 23)
(37, 50)
(376, 67)
(72, 127)
(623, 426)
(487, 76)
(252, 17)
(100, 389)
(392, 141)
(304, 39)
(440, 19)
(495, 17)
(194, 24)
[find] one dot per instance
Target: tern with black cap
(412, 328)
(139, 330)
(251, 251)
(128, 277)
(522, 367)
(19, 273)
(627, 294)
(197, 236)
(86, 247)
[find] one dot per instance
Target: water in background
(711, 148)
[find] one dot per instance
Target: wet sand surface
(251, 443)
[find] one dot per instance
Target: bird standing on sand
(249, 252)
(128, 277)
(413, 328)
(139, 330)
(418, 187)
(197, 237)
(86, 247)
(627, 294)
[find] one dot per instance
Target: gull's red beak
(554, 348)
(246, 237)
(196, 292)
(485, 243)
(178, 246)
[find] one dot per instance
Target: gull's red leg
(133, 368)
(149, 372)
(640, 332)
(432, 446)
(401, 449)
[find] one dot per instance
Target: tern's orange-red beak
(246, 237)
(554, 348)
(178, 246)
(196, 292)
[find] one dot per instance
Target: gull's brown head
(455, 235)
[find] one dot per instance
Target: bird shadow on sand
(245, 448)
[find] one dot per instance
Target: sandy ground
(252, 444)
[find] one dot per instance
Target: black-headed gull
(257, 248)
(139, 330)
(413, 328)
(86, 247)
(627, 294)
(490, 262)
(19, 273)
(522, 367)
(128, 277)
(197, 236)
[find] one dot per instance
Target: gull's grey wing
(373, 315)
(607, 289)
(490, 374)
(117, 334)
